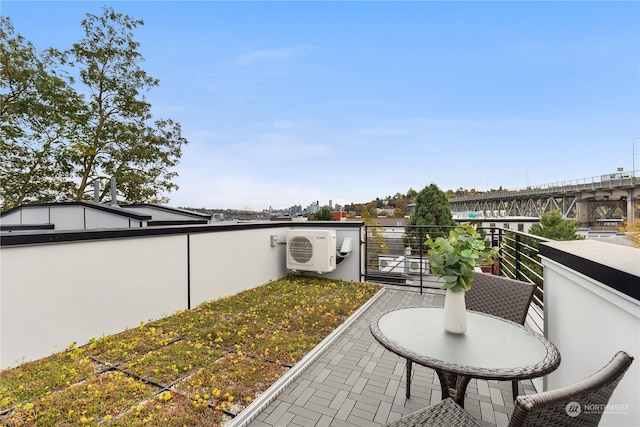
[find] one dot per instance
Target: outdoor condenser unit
(415, 265)
(311, 250)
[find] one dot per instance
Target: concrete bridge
(596, 202)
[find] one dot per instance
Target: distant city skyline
(285, 103)
(619, 173)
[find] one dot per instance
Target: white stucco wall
(95, 219)
(57, 293)
(35, 215)
(66, 217)
(69, 217)
(229, 262)
(53, 295)
(589, 322)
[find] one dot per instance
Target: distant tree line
(399, 201)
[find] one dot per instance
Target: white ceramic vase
(455, 312)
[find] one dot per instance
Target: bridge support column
(582, 212)
(633, 203)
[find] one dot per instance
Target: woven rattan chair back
(444, 414)
(567, 406)
(500, 296)
(561, 407)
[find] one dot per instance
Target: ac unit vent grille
(301, 249)
(311, 250)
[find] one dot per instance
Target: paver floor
(357, 382)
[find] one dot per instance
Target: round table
(492, 348)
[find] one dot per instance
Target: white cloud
(287, 161)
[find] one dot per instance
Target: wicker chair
(501, 297)
(551, 408)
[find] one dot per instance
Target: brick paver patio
(357, 382)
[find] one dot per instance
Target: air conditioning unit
(383, 262)
(417, 265)
(311, 250)
(391, 264)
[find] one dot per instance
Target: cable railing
(398, 256)
(520, 260)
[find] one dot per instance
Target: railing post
(366, 252)
(518, 250)
(421, 246)
(499, 244)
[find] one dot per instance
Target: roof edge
(117, 210)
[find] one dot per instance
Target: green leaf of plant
(450, 279)
(452, 258)
(436, 259)
(466, 270)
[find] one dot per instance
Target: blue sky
(291, 102)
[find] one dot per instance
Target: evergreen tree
(553, 226)
(432, 216)
(528, 265)
(324, 215)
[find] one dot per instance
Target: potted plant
(454, 258)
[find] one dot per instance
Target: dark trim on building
(621, 281)
(163, 223)
(26, 227)
(184, 212)
(123, 233)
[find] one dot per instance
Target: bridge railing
(399, 256)
(610, 181)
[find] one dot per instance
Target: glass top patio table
(491, 348)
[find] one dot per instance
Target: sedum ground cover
(197, 367)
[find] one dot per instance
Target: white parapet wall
(591, 312)
(54, 295)
(60, 288)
